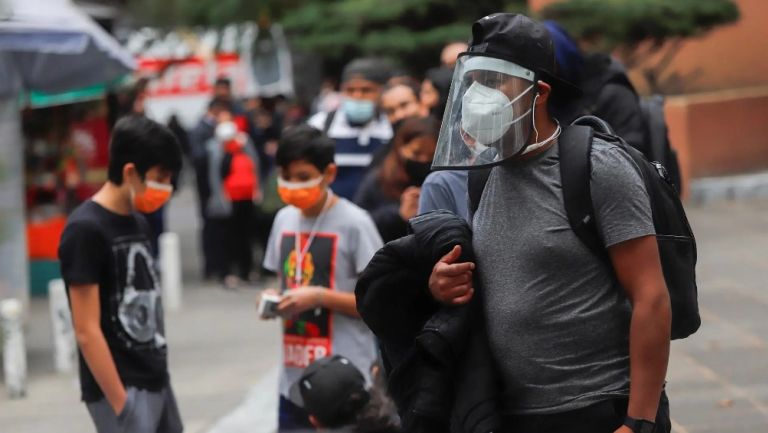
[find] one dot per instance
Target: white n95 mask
(487, 114)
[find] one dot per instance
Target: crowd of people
(408, 302)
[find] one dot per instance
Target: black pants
(603, 417)
(239, 240)
(216, 236)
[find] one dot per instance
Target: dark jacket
(609, 95)
(384, 211)
(441, 373)
(198, 139)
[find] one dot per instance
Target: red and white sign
(192, 75)
(185, 86)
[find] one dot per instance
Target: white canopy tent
(56, 47)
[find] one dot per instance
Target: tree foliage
(409, 31)
(632, 22)
(642, 29)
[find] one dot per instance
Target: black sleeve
(620, 107)
(388, 221)
(82, 253)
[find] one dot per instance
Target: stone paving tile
(718, 378)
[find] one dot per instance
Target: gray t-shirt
(445, 189)
(345, 241)
(558, 320)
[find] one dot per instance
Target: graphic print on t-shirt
(308, 336)
(138, 303)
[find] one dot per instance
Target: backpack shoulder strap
(328, 121)
(476, 181)
(575, 170)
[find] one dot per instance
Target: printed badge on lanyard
(302, 252)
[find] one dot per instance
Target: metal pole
(64, 345)
(170, 270)
(14, 352)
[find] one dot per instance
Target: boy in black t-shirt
(114, 288)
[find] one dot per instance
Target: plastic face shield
(488, 118)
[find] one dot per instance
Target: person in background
(390, 192)
(233, 175)
(265, 121)
(222, 88)
(328, 99)
(358, 128)
(181, 134)
(335, 397)
(319, 244)
(607, 91)
(434, 90)
(451, 52)
(401, 101)
(199, 137)
(114, 288)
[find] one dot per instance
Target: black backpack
(677, 246)
(659, 147)
(602, 70)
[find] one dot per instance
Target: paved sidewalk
(218, 352)
(223, 360)
(718, 378)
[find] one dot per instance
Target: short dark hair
(143, 142)
(304, 142)
(223, 81)
(220, 103)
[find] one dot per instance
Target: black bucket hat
(523, 41)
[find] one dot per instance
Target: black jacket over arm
(441, 373)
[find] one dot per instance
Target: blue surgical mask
(358, 112)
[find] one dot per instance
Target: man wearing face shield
(358, 127)
(568, 332)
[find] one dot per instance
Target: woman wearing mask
(390, 192)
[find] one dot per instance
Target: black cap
(520, 40)
(332, 390)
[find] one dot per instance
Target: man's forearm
(649, 338)
(96, 352)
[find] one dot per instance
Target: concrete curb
(750, 186)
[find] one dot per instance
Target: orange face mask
(153, 198)
(303, 195)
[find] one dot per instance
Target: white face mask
(226, 131)
(487, 114)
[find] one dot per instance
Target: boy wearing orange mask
(318, 246)
(113, 285)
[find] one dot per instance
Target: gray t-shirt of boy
(557, 318)
(357, 240)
